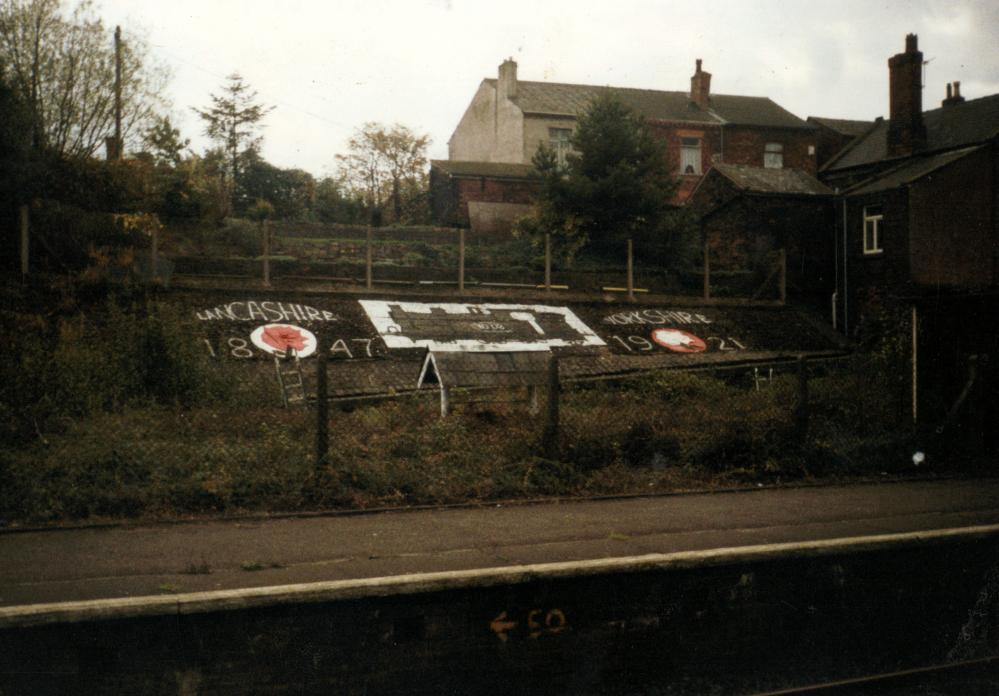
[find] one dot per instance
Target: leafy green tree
(63, 67)
(291, 191)
(615, 184)
(233, 120)
(335, 203)
(388, 164)
(164, 143)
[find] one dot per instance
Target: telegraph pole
(118, 145)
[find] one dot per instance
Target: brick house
(834, 134)
(509, 118)
(915, 226)
(748, 213)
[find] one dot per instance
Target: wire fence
(130, 420)
(61, 239)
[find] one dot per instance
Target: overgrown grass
(109, 410)
(243, 453)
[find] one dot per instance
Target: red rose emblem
(679, 341)
(282, 337)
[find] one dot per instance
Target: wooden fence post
(707, 264)
(548, 261)
(550, 438)
(782, 259)
(154, 253)
(267, 253)
(24, 220)
(631, 272)
(461, 259)
(322, 413)
(368, 280)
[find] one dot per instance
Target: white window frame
(558, 140)
(873, 216)
(773, 156)
(690, 155)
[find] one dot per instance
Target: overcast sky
(330, 66)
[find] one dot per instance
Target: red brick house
(508, 119)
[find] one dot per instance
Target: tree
(387, 164)
(615, 185)
(291, 192)
(64, 70)
(163, 142)
(233, 121)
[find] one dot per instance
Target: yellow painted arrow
(500, 626)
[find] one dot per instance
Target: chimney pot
(700, 86)
(507, 83)
(953, 94)
(906, 130)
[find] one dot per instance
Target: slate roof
(493, 370)
(369, 377)
(557, 99)
(948, 127)
(913, 169)
(767, 181)
(843, 126)
(496, 170)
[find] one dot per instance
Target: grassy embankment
(112, 411)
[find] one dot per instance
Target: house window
(558, 139)
(690, 155)
(773, 156)
(872, 229)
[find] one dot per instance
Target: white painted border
(419, 583)
(378, 312)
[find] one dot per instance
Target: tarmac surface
(65, 565)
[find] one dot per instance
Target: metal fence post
(631, 272)
(550, 438)
(322, 413)
(801, 409)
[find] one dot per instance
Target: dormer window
(773, 156)
(690, 155)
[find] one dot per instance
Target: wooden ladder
(289, 377)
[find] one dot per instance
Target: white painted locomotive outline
(379, 312)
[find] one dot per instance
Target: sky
(330, 66)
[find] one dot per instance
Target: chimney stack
(700, 87)
(955, 97)
(906, 130)
(507, 82)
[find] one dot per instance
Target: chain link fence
(127, 415)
